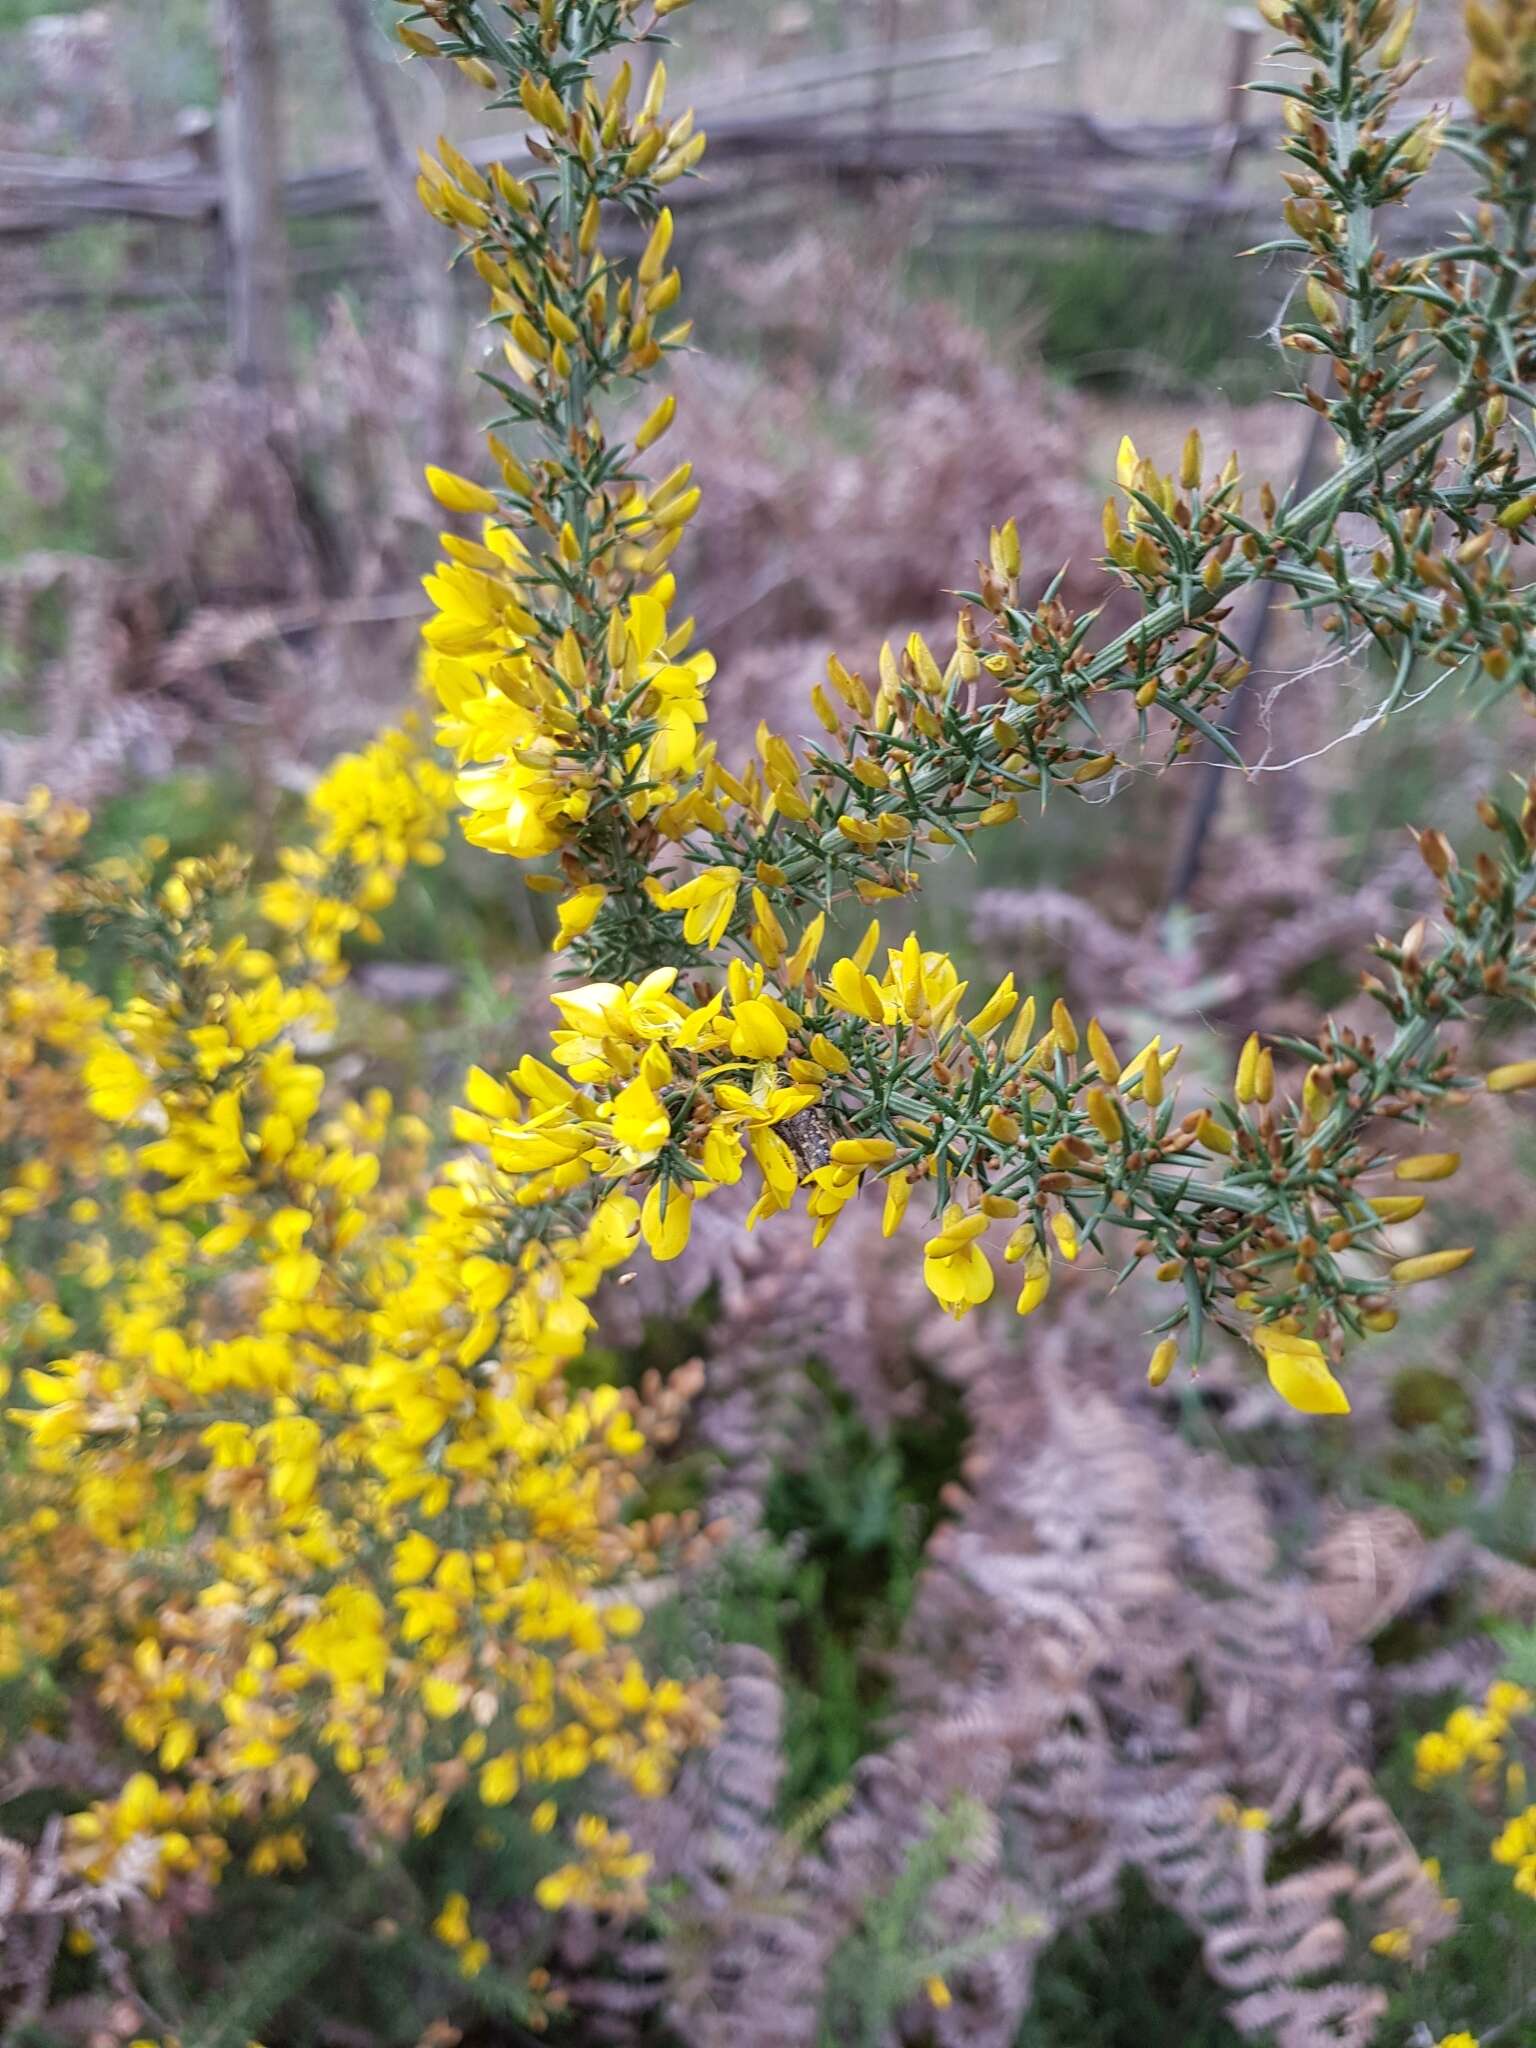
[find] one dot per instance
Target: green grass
(57, 464)
(850, 1520)
(15, 14)
(1483, 1977)
(1109, 308)
(847, 1520)
(1131, 1979)
(169, 59)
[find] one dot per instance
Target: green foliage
(833, 1702)
(849, 1520)
(1519, 1646)
(863, 1508)
(826, 1587)
(345, 1943)
(195, 811)
(169, 62)
(1108, 308)
(56, 461)
(1160, 1990)
(15, 14)
(891, 1956)
(1483, 1976)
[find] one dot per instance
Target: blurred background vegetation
(895, 355)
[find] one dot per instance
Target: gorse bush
(298, 1499)
(577, 714)
(270, 1469)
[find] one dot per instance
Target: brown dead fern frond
(1178, 1704)
(1275, 920)
(42, 1899)
(739, 1959)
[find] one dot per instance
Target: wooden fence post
(1243, 42)
(417, 239)
(255, 229)
(260, 288)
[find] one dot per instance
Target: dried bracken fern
(82, 629)
(1375, 1566)
(1274, 920)
(1106, 1656)
(812, 476)
(1184, 1705)
(42, 1899)
(770, 1945)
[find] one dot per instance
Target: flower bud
(1397, 1208)
(1427, 1166)
(1162, 1362)
(1430, 1265)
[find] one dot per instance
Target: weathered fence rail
(1051, 151)
(839, 120)
(838, 114)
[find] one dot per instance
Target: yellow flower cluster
(299, 1488)
(1473, 1738)
(515, 722)
(1476, 1740)
(684, 1093)
(374, 814)
(302, 1493)
(46, 1016)
(452, 1928)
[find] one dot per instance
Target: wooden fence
(844, 118)
(840, 121)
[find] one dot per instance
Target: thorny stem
(572, 403)
(931, 779)
(1236, 1191)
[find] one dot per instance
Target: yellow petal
(1301, 1378)
(457, 493)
